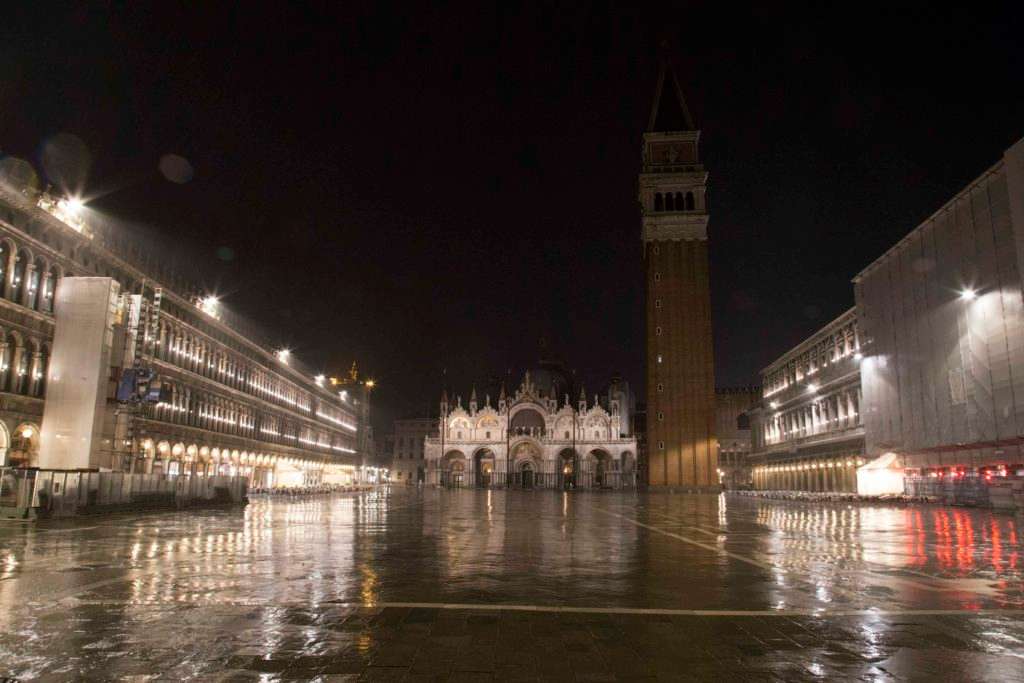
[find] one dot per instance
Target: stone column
(26, 291)
(16, 378)
(33, 371)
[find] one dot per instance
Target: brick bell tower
(680, 365)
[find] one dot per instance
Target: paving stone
(316, 590)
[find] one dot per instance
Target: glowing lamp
(968, 295)
(27, 432)
(73, 205)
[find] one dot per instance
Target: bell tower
(680, 365)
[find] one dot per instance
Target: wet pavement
(477, 585)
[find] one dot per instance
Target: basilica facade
(535, 438)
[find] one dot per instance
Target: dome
(550, 375)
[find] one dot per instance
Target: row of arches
(595, 468)
(179, 458)
(30, 279)
(35, 255)
(205, 410)
(669, 201)
(530, 422)
(23, 364)
(184, 348)
(27, 279)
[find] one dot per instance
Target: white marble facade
(553, 442)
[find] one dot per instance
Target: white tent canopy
(881, 476)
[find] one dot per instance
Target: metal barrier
(972, 491)
(62, 493)
(537, 479)
(16, 487)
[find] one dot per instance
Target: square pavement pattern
(474, 585)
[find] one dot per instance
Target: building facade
(732, 432)
(807, 431)
(680, 365)
(535, 438)
(219, 401)
(407, 443)
(942, 317)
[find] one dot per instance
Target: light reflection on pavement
(433, 583)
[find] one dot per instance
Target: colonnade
(833, 474)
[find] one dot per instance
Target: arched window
(689, 201)
(24, 359)
(680, 204)
(35, 279)
(6, 357)
(49, 288)
(5, 255)
(18, 283)
(668, 202)
(44, 361)
(659, 202)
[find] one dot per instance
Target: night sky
(444, 187)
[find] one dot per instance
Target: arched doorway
(567, 466)
(483, 467)
(600, 466)
(523, 452)
(453, 472)
(526, 474)
(24, 450)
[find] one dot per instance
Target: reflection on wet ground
(439, 585)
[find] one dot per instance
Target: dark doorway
(527, 472)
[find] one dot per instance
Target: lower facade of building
(534, 463)
(824, 470)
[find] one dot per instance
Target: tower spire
(668, 113)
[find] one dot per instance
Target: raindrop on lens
(176, 168)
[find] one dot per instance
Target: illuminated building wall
(807, 432)
(233, 403)
(941, 314)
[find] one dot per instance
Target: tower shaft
(680, 363)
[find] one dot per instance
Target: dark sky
(442, 186)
